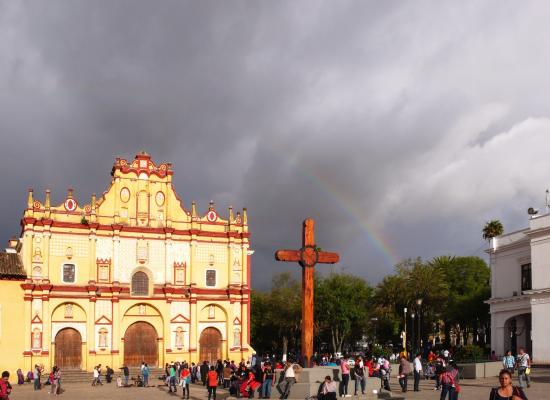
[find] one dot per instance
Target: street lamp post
(413, 341)
(405, 330)
(375, 321)
(419, 304)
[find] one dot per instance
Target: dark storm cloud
(410, 122)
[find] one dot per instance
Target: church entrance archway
(210, 344)
(140, 344)
(68, 349)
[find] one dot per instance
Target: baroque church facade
(131, 276)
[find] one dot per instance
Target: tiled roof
(11, 266)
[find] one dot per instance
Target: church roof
(11, 266)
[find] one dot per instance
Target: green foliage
(378, 350)
(492, 229)
(342, 306)
(276, 315)
(452, 289)
(470, 352)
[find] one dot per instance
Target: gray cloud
(406, 122)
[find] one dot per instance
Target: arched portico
(517, 331)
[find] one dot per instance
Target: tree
(276, 315)
(342, 307)
(468, 280)
(492, 229)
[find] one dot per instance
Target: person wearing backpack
(506, 391)
(524, 368)
(449, 380)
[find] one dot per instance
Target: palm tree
(492, 228)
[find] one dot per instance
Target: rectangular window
(210, 277)
(526, 277)
(69, 272)
(179, 276)
(103, 273)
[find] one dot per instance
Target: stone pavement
(472, 389)
(478, 389)
(82, 391)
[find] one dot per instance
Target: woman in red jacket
(212, 383)
(249, 386)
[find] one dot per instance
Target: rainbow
(372, 235)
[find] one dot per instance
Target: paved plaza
(477, 389)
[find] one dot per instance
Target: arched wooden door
(210, 344)
(68, 349)
(140, 344)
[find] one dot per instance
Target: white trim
(75, 273)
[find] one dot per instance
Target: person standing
(194, 370)
(36, 377)
(268, 380)
(344, 369)
(96, 376)
(109, 374)
(204, 372)
(126, 373)
(417, 371)
(360, 377)
(145, 373)
(185, 380)
(439, 369)
(508, 362)
(212, 383)
(56, 382)
(172, 379)
(524, 366)
(404, 372)
(99, 375)
(226, 375)
(448, 382)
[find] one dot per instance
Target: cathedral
(126, 277)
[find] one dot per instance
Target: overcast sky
(401, 127)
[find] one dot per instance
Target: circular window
(125, 194)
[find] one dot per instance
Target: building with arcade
(125, 277)
(520, 290)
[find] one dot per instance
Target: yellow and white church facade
(127, 277)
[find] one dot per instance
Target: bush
(378, 351)
(470, 352)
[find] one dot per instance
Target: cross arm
(326, 257)
(287, 255)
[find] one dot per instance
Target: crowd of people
(260, 376)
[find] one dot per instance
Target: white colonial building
(520, 290)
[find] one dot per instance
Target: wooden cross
(308, 256)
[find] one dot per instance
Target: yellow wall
(12, 336)
(139, 223)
